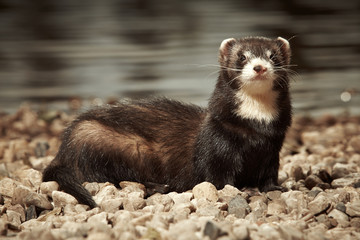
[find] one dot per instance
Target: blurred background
(52, 52)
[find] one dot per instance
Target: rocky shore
(320, 165)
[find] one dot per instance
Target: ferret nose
(260, 69)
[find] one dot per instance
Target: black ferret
(173, 146)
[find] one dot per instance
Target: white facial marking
(268, 53)
(248, 54)
(256, 99)
(257, 82)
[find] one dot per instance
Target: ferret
(171, 146)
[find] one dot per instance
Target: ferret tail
(68, 182)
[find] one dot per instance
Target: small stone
(107, 191)
(140, 230)
(3, 227)
(353, 208)
(209, 210)
(341, 207)
(323, 218)
(29, 177)
(48, 187)
(141, 219)
(19, 194)
(17, 208)
(290, 183)
(206, 190)
(229, 192)
(283, 176)
(276, 207)
(130, 187)
(267, 231)
(61, 199)
(239, 207)
(355, 143)
(84, 215)
(38, 200)
(41, 148)
(320, 204)
(355, 222)
(348, 180)
(152, 234)
(98, 235)
(324, 186)
(7, 186)
(30, 213)
(290, 232)
(79, 208)
(324, 176)
(161, 201)
(341, 218)
(93, 188)
(74, 229)
(183, 230)
(312, 180)
(40, 163)
(340, 170)
(260, 198)
(297, 173)
(314, 192)
(111, 205)
(14, 219)
(272, 195)
(98, 218)
(211, 230)
(295, 200)
(241, 232)
(179, 198)
(133, 203)
(32, 225)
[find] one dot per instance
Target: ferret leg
(152, 188)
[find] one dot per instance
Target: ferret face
(254, 64)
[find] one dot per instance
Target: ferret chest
(257, 107)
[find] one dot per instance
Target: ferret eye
(242, 57)
(272, 56)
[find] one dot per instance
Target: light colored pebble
(353, 208)
(206, 190)
(319, 204)
(38, 200)
(61, 199)
(48, 187)
(341, 218)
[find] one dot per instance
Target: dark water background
(52, 51)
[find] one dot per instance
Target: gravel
(320, 165)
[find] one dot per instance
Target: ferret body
(173, 146)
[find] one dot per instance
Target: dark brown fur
(173, 146)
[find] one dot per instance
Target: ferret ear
(284, 46)
(225, 48)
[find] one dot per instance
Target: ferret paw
(251, 191)
(152, 188)
(274, 188)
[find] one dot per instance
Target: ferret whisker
(282, 81)
(207, 76)
(232, 80)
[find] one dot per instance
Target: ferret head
(255, 64)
